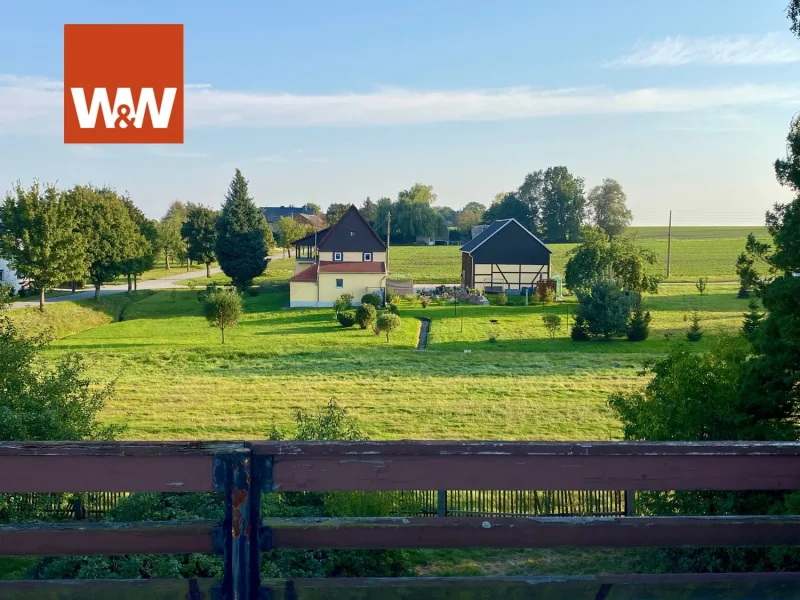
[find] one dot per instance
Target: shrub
(366, 315)
(580, 330)
(502, 299)
(394, 309)
(223, 308)
(695, 332)
(639, 324)
(606, 309)
(544, 293)
(343, 303)
(701, 285)
(392, 298)
(424, 301)
(346, 318)
(552, 323)
(387, 323)
(372, 299)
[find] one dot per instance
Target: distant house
(475, 230)
(432, 240)
(9, 276)
(316, 221)
(504, 255)
(348, 257)
(274, 213)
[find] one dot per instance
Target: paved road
(152, 284)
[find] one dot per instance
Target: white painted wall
(7, 275)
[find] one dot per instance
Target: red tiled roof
(309, 274)
(327, 266)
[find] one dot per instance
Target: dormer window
(337, 256)
(367, 256)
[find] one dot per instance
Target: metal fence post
(233, 475)
(441, 503)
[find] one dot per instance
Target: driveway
(151, 284)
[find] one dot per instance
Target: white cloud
(34, 106)
(743, 50)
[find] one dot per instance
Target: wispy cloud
(30, 105)
(744, 50)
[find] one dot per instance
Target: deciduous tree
(145, 246)
(289, 231)
(200, 233)
(223, 308)
(607, 203)
(563, 205)
(241, 246)
(41, 238)
(335, 212)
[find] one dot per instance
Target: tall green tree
(608, 205)
(41, 238)
(563, 205)
(383, 208)
(172, 243)
(531, 193)
(509, 206)
(241, 247)
(289, 231)
(113, 239)
(335, 212)
(476, 206)
(200, 233)
(315, 207)
(369, 210)
(419, 192)
(144, 246)
(469, 218)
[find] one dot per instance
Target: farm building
(347, 258)
(505, 256)
(8, 276)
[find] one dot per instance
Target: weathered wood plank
(117, 448)
(120, 589)
(500, 448)
(762, 586)
(542, 532)
(106, 473)
(386, 472)
(62, 539)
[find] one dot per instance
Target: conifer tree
(241, 246)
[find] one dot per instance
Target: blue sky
(686, 103)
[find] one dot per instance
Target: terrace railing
(245, 471)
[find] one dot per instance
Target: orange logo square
(123, 84)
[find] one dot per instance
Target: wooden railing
(244, 471)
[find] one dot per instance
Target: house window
(367, 256)
(339, 283)
(337, 256)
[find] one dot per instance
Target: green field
(696, 252)
(176, 381)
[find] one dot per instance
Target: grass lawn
(175, 380)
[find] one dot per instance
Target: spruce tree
(241, 246)
(752, 320)
(695, 331)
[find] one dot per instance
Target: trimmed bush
(394, 309)
(372, 299)
(387, 323)
(639, 325)
(346, 318)
(695, 332)
(366, 315)
(502, 299)
(580, 330)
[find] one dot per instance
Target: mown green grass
(175, 380)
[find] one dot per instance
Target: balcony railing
(245, 471)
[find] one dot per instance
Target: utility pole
(669, 243)
(388, 241)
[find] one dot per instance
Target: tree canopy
(241, 246)
(200, 232)
(607, 203)
(41, 238)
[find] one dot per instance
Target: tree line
(92, 234)
(551, 203)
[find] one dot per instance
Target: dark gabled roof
(337, 238)
(483, 236)
(493, 229)
(273, 213)
(310, 240)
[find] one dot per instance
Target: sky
(686, 103)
